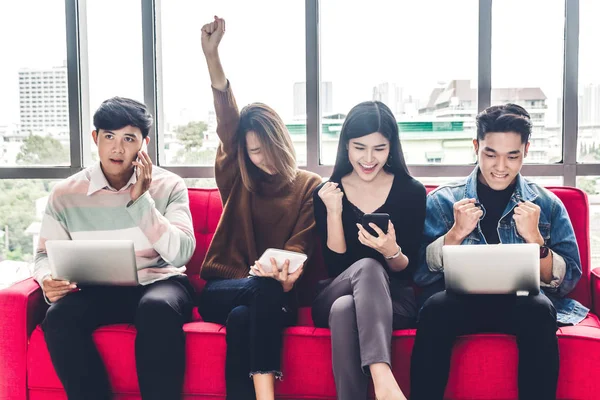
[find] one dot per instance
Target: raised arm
(228, 116)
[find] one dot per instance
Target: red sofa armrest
(596, 291)
(22, 308)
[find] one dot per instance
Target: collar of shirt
(99, 182)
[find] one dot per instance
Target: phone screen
(379, 219)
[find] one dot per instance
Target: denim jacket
(554, 225)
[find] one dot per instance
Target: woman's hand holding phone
(384, 243)
(286, 279)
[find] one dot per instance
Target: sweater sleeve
(53, 228)
(302, 238)
(171, 234)
(336, 262)
(228, 120)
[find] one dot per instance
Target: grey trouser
(361, 310)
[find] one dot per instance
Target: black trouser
(159, 311)
(445, 316)
(254, 312)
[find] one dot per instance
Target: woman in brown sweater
(267, 203)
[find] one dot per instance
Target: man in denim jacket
(495, 204)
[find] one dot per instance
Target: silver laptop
(492, 269)
(94, 262)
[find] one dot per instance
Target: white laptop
(492, 269)
(93, 262)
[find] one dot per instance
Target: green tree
(191, 136)
(588, 185)
(42, 150)
(18, 211)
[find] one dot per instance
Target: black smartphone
(379, 219)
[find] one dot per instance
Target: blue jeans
(255, 313)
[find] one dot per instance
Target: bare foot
(386, 387)
(390, 394)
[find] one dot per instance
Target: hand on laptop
(527, 217)
(56, 289)
(466, 216)
(144, 175)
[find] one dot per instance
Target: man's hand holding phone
(143, 169)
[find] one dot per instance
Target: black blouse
(406, 206)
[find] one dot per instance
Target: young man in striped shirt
(121, 197)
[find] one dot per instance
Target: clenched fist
(466, 217)
(212, 33)
(332, 196)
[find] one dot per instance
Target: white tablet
(296, 259)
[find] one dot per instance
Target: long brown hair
(276, 144)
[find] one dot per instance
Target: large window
(34, 113)
(418, 57)
(589, 83)
(427, 60)
(527, 68)
(262, 54)
(114, 55)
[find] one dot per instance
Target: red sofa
(484, 366)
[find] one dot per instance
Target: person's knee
(536, 312)
(155, 312)
(238, 320)
(267, 291)
(342, 312)
(435, 309)
(64, 315)
(369, 269)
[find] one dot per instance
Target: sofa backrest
(206, 208)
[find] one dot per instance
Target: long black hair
(366, 118)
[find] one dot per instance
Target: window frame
(79, 114)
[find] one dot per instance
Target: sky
(413, 44)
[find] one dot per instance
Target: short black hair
(505, 118)
(119, 112)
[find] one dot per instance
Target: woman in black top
(369, 292)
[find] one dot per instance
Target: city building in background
(300, 99)
(44, 107)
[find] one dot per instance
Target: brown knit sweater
(279, 215)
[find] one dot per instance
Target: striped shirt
(85, 207)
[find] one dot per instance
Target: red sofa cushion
(480, 363)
